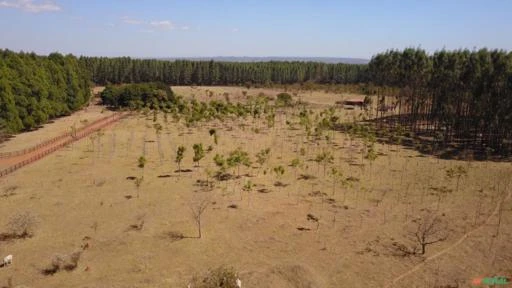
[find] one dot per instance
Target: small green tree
(213, 133)
(141, 162)
(180, 153)
(324, 158)
(158, 130)
(262, 157)
(371, 155)
(296, 163)
(337, 177)
(198, 153)
(220, 161)
(279, 171)
(237, 158)
(458, 172)
(248, 185)
(284, 99)
(271, 120)
(248, 188)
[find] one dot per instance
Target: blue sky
(169, 28)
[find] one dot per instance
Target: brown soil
(81, 195)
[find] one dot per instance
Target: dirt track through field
(448, 249)
(12, 161)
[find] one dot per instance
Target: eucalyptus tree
(198, 153)
(337, 177)
(237, 158)
(220, 162)
(141, 164)
(248, 186)
(462, 95)
(215, 135)
(262, 157)
(279, 171)
(324, 158)
(457, 172)
(158, 130)
(371, 156)
(180, 154)
(271, 119)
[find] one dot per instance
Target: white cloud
(153, 26)
(147, 31)
(131, 21)
(31, 5)
(165, 25)
(234, 30)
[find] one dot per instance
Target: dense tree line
(461, 95)
(136, 96)
(184, 72)
(34, 89)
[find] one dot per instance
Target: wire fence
(77, 135)
(53, 140)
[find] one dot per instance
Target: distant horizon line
(325, 59)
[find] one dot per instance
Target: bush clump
(20, 226)
(63, 262)
(284, 99)
(222, 276)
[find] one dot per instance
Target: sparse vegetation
(61, 262)
(197, 208)
(198, 153)
(222, 276)
(20, 226)
(180, 153)
(346, 179)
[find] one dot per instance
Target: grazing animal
(7, 260)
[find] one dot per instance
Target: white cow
(7, 260)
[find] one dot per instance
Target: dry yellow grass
(54, 129)
(79, 193)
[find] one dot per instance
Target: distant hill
(271, 58)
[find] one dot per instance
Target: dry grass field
(312, 229)
(54, 129)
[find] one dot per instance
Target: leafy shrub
(284, 99)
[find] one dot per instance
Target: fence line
(77, 136)
(53, 140)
